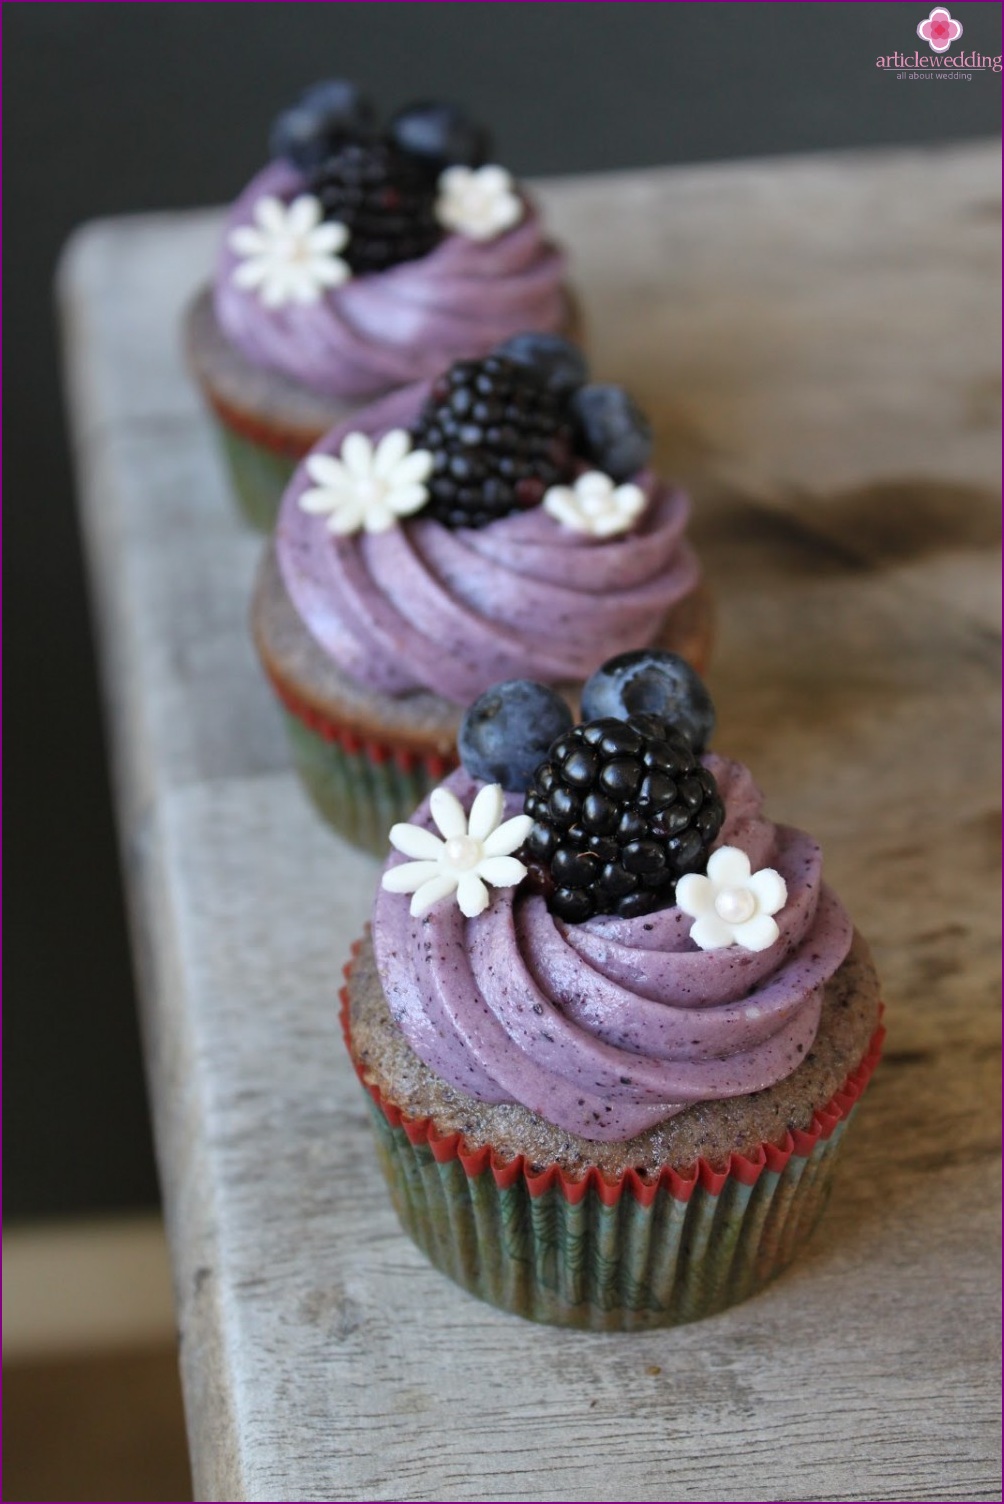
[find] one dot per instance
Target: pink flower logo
(940, 29)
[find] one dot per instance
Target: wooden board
(817, 338)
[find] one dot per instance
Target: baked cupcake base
(367, 759)
(685, 1220)
(265, 421)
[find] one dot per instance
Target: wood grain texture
(818, 344)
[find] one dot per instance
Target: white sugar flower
(594, 504)
(368, 488)
(731, 906)
(288, 254)
(479, 202)
(473, 852)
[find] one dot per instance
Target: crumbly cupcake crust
(266, 403)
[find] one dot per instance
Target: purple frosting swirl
(392, 328)
(423, 606)
(609, 1027)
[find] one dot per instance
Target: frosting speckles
(608, 1027)
(524, 597)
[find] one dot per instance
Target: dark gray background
(114, 108)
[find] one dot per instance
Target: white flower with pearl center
(288, 255)
(474, 851)
(478, 202)
(732, 905)
(367, 488)
(596, 505)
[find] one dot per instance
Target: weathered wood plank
(844, 453)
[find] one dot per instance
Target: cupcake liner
(259, 471)
(640, 1251)
(360, 785)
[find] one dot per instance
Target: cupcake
(498, 523)
(359, 261)
(614, 1036)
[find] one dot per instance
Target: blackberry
(385, 199)
(621, 809)
(498, 438)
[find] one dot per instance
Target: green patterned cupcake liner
(259, 475)
(624, 1255)
(359, 785)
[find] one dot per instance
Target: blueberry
(322, 119)
(612, 431)
(507, 732)
(560, 365)
(652, 682)
(440, 135)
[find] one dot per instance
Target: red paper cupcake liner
(601, 1253)
(434, 764)
(259, 431)
(360, 784)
